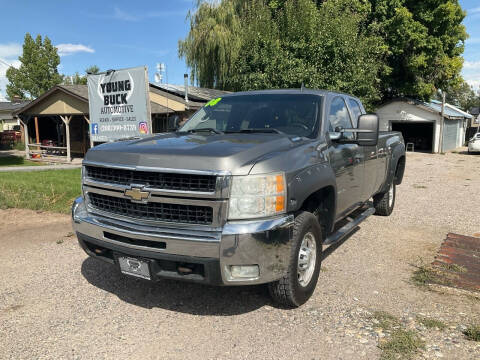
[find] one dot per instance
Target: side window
(356, 111)
(338, 116)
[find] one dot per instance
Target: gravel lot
(55, 302)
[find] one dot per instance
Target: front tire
(385, 202)
(298, 285)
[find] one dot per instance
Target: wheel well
(322, 204)
(400, 170)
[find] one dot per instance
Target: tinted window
(356, 111)
(293, 114)
(338, 116)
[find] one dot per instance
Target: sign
(119, 104)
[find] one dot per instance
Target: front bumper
(210, 254)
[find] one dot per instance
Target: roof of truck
(290, 91)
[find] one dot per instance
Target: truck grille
(153, 211)
(167, 181)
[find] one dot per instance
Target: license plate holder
(134, 267)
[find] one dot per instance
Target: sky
(120, 34)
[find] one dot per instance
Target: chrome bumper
(265, 243)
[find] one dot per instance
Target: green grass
(473, 333)
(17, 161)
(51, 190)
(402, 344)
(430, 323)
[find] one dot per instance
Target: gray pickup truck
(248, 191)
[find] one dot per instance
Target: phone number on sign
(118, 127)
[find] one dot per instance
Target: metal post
(442, 121)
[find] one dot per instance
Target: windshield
(292, 114)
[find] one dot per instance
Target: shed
(421, 123)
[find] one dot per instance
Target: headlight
(255, 196)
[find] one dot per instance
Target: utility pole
(442, 122)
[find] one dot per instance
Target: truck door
(370, 155)
(346, 159)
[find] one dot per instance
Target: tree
(77, 79)
(38, 69)
(280, 44)
(425, 42)
(461, 95)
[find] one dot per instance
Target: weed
(385, 320)
(431, 323)
(454, 268)
(59, 241)
(423, 275)
(402, 344)
(472, 333)
(419, 186)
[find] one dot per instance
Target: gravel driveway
(55, 302)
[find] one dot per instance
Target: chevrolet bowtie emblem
(137, 194)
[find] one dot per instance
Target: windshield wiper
(206, 129)
(257, 130)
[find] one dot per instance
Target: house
(57, 122)
(8, 120)
(421, 124)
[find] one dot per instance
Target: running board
(348, 228)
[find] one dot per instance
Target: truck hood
(235, 153)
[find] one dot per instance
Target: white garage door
(450, 134)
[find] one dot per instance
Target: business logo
(136, 194)
(94, 129)
(143, 127)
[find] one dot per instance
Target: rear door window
(356, 111)
(339, 117)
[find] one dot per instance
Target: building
(473, 125)
(8, 120)
(421, 124)
(57, 122)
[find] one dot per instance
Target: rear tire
(298, 285)
(385, 202)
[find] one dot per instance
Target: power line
(5, 63)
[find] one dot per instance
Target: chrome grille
(157, 180)
(156, 211)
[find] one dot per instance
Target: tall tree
(425, 41)
(284, 43)
(38, 70)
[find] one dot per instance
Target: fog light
(244, 271)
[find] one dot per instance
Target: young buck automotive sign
(119, 104)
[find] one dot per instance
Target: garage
(423, 123)
(419, 134)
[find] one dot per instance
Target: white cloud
(471, 65)
(474, 10)
(9, 54)
(11, 50)
(69, 49)
(475, 83)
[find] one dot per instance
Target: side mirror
(367, 133)
(173, 123)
